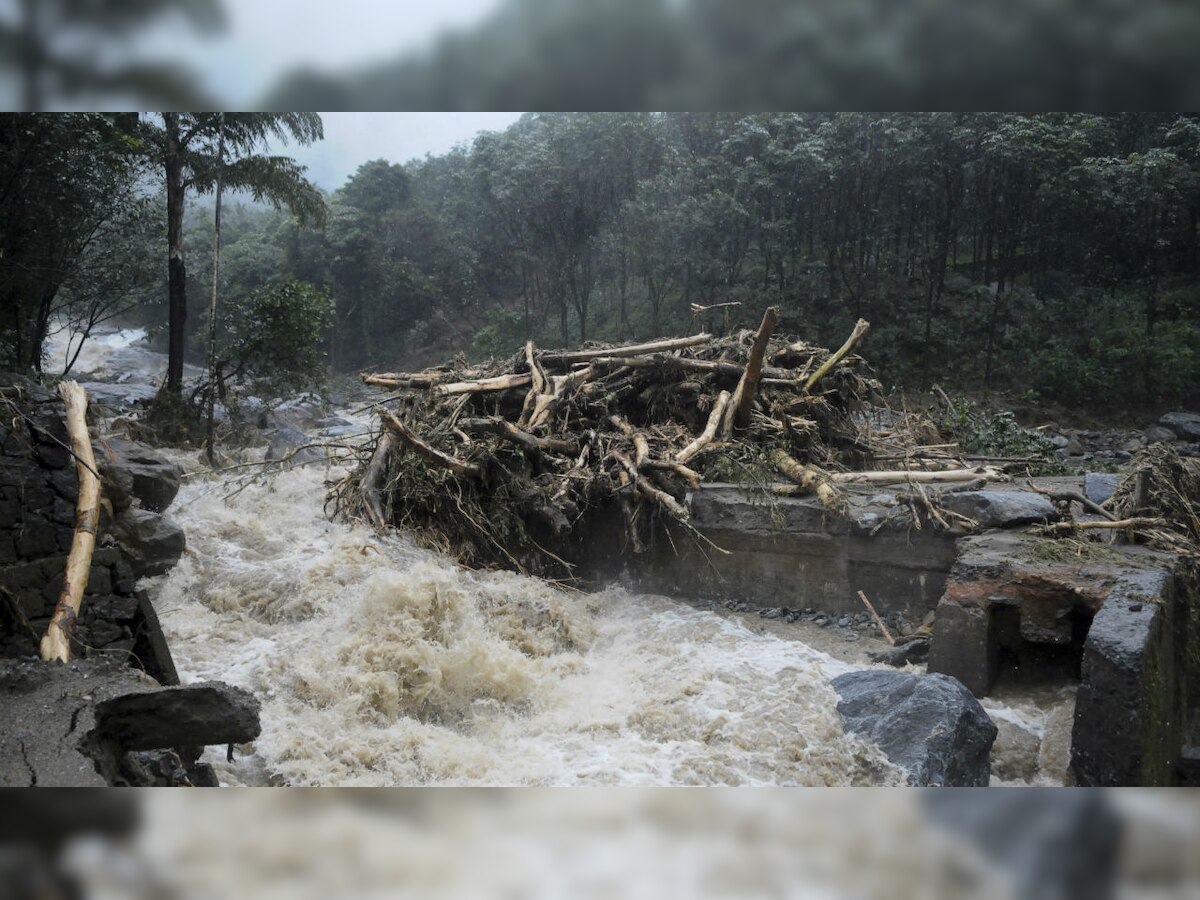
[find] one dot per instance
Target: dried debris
(498, 463)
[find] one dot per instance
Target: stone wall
(38, 489)
(781, 552)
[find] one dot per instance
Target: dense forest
(1052, 255)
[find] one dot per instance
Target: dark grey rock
(928, 725)
(153, 542)
(286, 444)
(72, 725)
(195, 715)
(36, 537)
(1186, 425)
(132, 470)
(1052, 844)
(1099, 486)
(1158, 433)
(999, 509)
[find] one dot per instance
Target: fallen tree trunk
(899, 476)
(809, 481)
(376, 470)
(483, 385)
(710, 430)
(56, 644)
(435, 456)
(512, 433)
(566, 359)
(738, 412)
(778, 377)
(642, 483)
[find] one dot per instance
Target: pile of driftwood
(497, 464)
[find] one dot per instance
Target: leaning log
(743, 396)
(710, 430)
(56, 644)
(432, 454)
(860, 328)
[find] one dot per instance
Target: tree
(59, 47)
(66, 185)
(185, 149)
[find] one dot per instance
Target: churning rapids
(382, 664)
(379, 663)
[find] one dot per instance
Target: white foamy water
(381, 664)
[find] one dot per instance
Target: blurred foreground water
(652, 843)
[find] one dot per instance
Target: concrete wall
(783, 552)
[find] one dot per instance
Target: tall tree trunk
(212, 310)
(176, 270)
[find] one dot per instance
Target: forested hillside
(1054, 254)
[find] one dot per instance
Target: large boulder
(1099, 486)
(291, 444)
(929, 725)
(132, 470)
(1186, 425)
(999, 509)
(152, 542)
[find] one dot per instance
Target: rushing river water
(379, 663)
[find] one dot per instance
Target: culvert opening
(1020, 661)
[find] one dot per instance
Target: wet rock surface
(1185, 425)
(1000, 509)
(929, 725)
(74, 724)
(291, 444)
(153, 543)
(136, 471)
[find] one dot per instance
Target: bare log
(810, 481)
(710, 430)
(691, 476)
(904, 475)
(739, 408)
(373, 477)
(878, 621)
(400, 379)
(1074, 497)
(512, 433)
(643, 484)
(780, 377)
(566, 359)
(483, 385)
(561, 387)
(56, 643)
(860, 328)
(435, 456)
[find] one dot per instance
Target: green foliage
(994, 432)
(275, 339)
(69, 190)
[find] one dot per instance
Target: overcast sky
(352, 139)
(268, 38)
